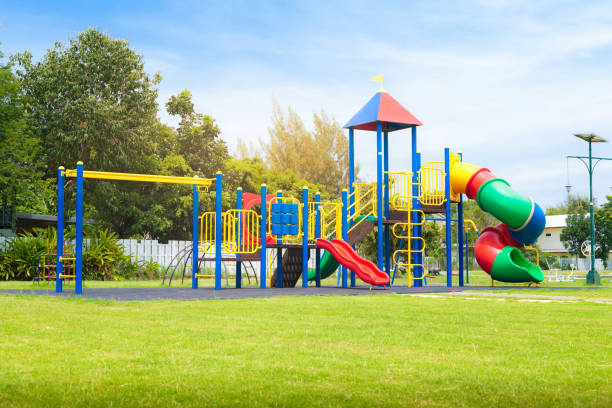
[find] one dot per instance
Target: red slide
(346, 255)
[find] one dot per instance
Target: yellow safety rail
(331, 219)
(312, 220)
(245, 223)
(364, 204)
(400, 189)
(207, 233)
(286, 238)
(467, 223)
(432, 183)
(151, 178)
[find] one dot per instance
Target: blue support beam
(78, 280)
(344, 232)
(447, 212)
(59, 264)
(279, 251)
(195, 211)
(218, 228)
(351, 185)
(387, 232)
(305, 237)
(379, 193)
(460, 235)
(264, 229)
(239, 237)
(318, 235)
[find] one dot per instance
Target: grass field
(360, 351)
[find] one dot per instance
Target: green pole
(592, 277)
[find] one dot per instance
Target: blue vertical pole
(279, 251)
(78, 280)
(194, 236)
(59, 264)
(414, 256)
(387, 198)
(218, 228)
(460, 235)
(379, 192)
(264, 230)
(318, 235)
(305, 237)
(467, 259)
(344, 231)
(418, 244)
(239, 238)
(351, 184)
(447, 211)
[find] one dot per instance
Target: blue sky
(505, 82)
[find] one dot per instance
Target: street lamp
(592, 277)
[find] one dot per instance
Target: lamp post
(592, 277)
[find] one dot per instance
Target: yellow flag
(377, 78)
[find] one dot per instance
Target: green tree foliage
(320, 156)
(603, 231)
(20, 179)
(574, 204)
(90, 100)
(575, 233)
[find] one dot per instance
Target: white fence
(150, 250)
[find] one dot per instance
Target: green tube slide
(511, 266)
(496, 197)
(329, 265)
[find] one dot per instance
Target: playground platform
(165, 293)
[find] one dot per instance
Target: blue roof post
(59, 263)
(279, 251)
(447, 211)
(78, 279)
(239, 237)
(218, 228)
(414, 257)
(351, 185)
(418, 243)
(195, 211)
(460, 234)
(318, 235)
(344, 231)
(387, 198)
(264, 230)
(379, 192)
(305, 237)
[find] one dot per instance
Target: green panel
(503, 202)
(511, 266)
(329, 265)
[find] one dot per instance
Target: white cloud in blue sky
(505, 82)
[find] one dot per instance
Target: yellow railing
(231, 230)
(400, 189)
(431, 183)
(331, 219)
(467, 223)
(530, 248)
(286, 238)
(364, 204)
(312, 220)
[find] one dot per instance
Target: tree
(90, 100)
(603, 231)
(574, 204)
(21, 185)
(320, 156)
(197, 138)
(576, 231)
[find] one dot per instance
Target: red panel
(391, 111)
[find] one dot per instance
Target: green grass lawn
(358, 351)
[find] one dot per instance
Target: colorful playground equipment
(288, 230)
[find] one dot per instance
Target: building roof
(382, 108)
(557, 221)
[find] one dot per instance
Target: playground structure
(397, 205)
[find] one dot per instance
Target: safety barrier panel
(431, 183)
(331, 219)
(364, 204)
(295, 239)
(240, 232)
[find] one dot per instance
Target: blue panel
(277, 229)
(367, 114)
(277, 208)
(286, 218)
(294, 208)
(293, 229)
(277, 218)
(293, 219)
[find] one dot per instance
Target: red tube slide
(346, 255)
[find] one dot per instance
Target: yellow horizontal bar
(61, 275)
(199, 275)
(151, 178)
(62, 258)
